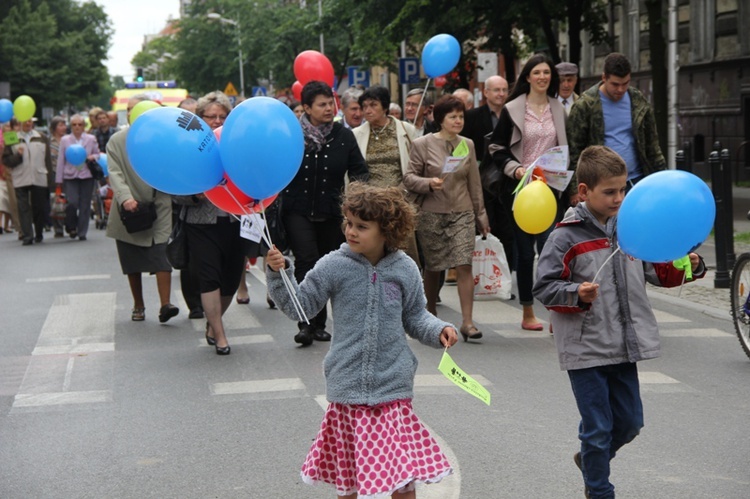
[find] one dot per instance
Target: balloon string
(679, 292)
(421, 101)
(605, 263)
(266, 236)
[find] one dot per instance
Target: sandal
(470, 333)
(139, 314)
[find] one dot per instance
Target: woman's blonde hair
(386, 206)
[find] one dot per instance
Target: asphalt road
(93, 405)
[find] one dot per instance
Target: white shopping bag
(492, 279)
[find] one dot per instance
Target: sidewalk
(702, 295)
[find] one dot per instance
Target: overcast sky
(131, 19)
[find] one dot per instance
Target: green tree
(54, 52)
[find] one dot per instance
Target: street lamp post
(236, 24)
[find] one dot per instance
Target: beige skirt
(447, 239)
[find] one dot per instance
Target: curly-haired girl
(376, 296)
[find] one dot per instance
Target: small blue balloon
(261, 146)
(665, 216)
(103, 162)
(174, 151)
(75, 154)
(440, 55)
(6, 110)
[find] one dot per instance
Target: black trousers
(31, 203)
(309, 241)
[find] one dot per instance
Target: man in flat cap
(568, 79)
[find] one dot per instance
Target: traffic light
(139, 74)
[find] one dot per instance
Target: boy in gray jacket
(601, 329)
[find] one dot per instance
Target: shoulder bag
(141, 219)
(177, 245)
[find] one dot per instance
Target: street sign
(408, 71)
(259, 91)
(486, 65)
(358, 77)
(230, 91)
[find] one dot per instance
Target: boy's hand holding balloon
(587, 292)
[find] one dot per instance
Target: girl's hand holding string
(275, 259)
(448, 337)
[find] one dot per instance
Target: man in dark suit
(479, 123)
(482, 120)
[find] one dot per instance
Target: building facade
(714, 72)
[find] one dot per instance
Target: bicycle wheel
(740, 297)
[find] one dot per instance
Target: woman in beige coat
(452, 209)
(143, 251)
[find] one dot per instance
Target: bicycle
(740, 299)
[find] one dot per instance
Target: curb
(697, 307)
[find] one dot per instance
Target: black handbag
(177, 245)
(139, 220)
(97, 172)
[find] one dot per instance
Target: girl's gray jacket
(369, 362)
(619, 325)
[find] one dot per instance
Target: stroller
(102, 201)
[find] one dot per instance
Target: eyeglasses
(76, 124)
(214, 117)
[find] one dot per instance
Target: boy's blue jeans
(609, 401)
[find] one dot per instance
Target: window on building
(632, 32)
(702, 30)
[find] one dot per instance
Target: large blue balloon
(6, 110)
(261, 146)
(75, 154)
(665, 216)
(174, 151)
(440, 55)
(104, 163)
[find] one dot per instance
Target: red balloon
(312, 65)
(217, 133)
(297, 90)
(228, 197)
(440, 81)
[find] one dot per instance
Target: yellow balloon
(24, 108)
(141, 108)
(535, 207)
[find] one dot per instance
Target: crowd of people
(379, 211)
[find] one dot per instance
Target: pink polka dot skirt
(374, 451)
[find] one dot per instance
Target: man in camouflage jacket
(585, 125)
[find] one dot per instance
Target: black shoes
(196, 313)
(209, 340)
(321, 335)
(212, 342)
(167, 312)
(304, 336)
(308, 333)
